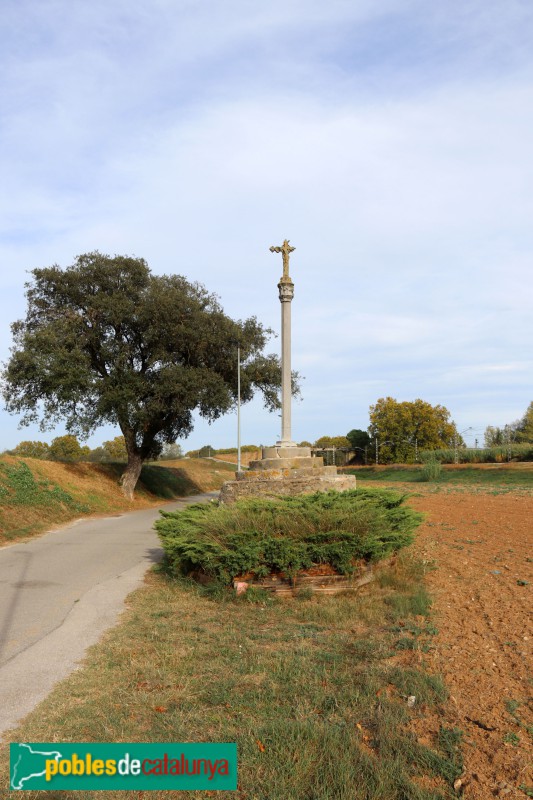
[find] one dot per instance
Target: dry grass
(245, 457)
(313, 691)
(205, 473)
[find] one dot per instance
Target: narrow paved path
(60, 592)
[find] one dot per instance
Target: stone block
(286, 452)
(279, 486)
(285, 473)
(287, 463)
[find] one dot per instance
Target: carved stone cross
(285, 250)
(286, 293)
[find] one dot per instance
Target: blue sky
(390, 141)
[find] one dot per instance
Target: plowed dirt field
(481, 545)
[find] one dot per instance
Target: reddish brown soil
(481, 544)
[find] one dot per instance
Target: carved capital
(286, 291)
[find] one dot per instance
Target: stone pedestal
(285, 471)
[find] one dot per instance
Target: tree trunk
(130, 476)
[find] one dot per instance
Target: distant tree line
(68, 450)
(399, 432)
(208, 450)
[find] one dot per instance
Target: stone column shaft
(286, 293)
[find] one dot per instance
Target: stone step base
(284, 473)
(287, 463)
(279, 451)
(240, 489)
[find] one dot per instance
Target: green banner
(134, 766)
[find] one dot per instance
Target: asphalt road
(60, 592)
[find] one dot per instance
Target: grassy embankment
(36, 495)
(314, 690)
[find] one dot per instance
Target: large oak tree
(402, 428)
(106, 341)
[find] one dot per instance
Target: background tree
(65, 448)
(29, 449)
(332, 441)
(524, 428)
(98, 456)
(494, 436)
(171, 452)
(400, 427)
(520, 431)
(105, 341)
(358, 438)
(115, 449)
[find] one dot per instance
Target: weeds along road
(60, 592)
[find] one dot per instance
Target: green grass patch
(468, 476)
(431, 469)
(416, 603)
(311, 691)
(261, 536)
(19, 487)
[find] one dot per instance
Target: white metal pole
(238, 409)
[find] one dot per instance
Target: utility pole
(238, 409)
(456, 442)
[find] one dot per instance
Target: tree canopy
(115, 449)
(29, 449)
(525, 428)
(358, 438)
(66, 448)
(171, 452)
(520, 431)
(494, 436)
(106, 341)
(401, 428)
(332, 441)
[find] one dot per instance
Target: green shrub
(431, 469)
(261, 536)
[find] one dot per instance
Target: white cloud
(390, 142)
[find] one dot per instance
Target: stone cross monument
(286, 293)
(285, 468)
